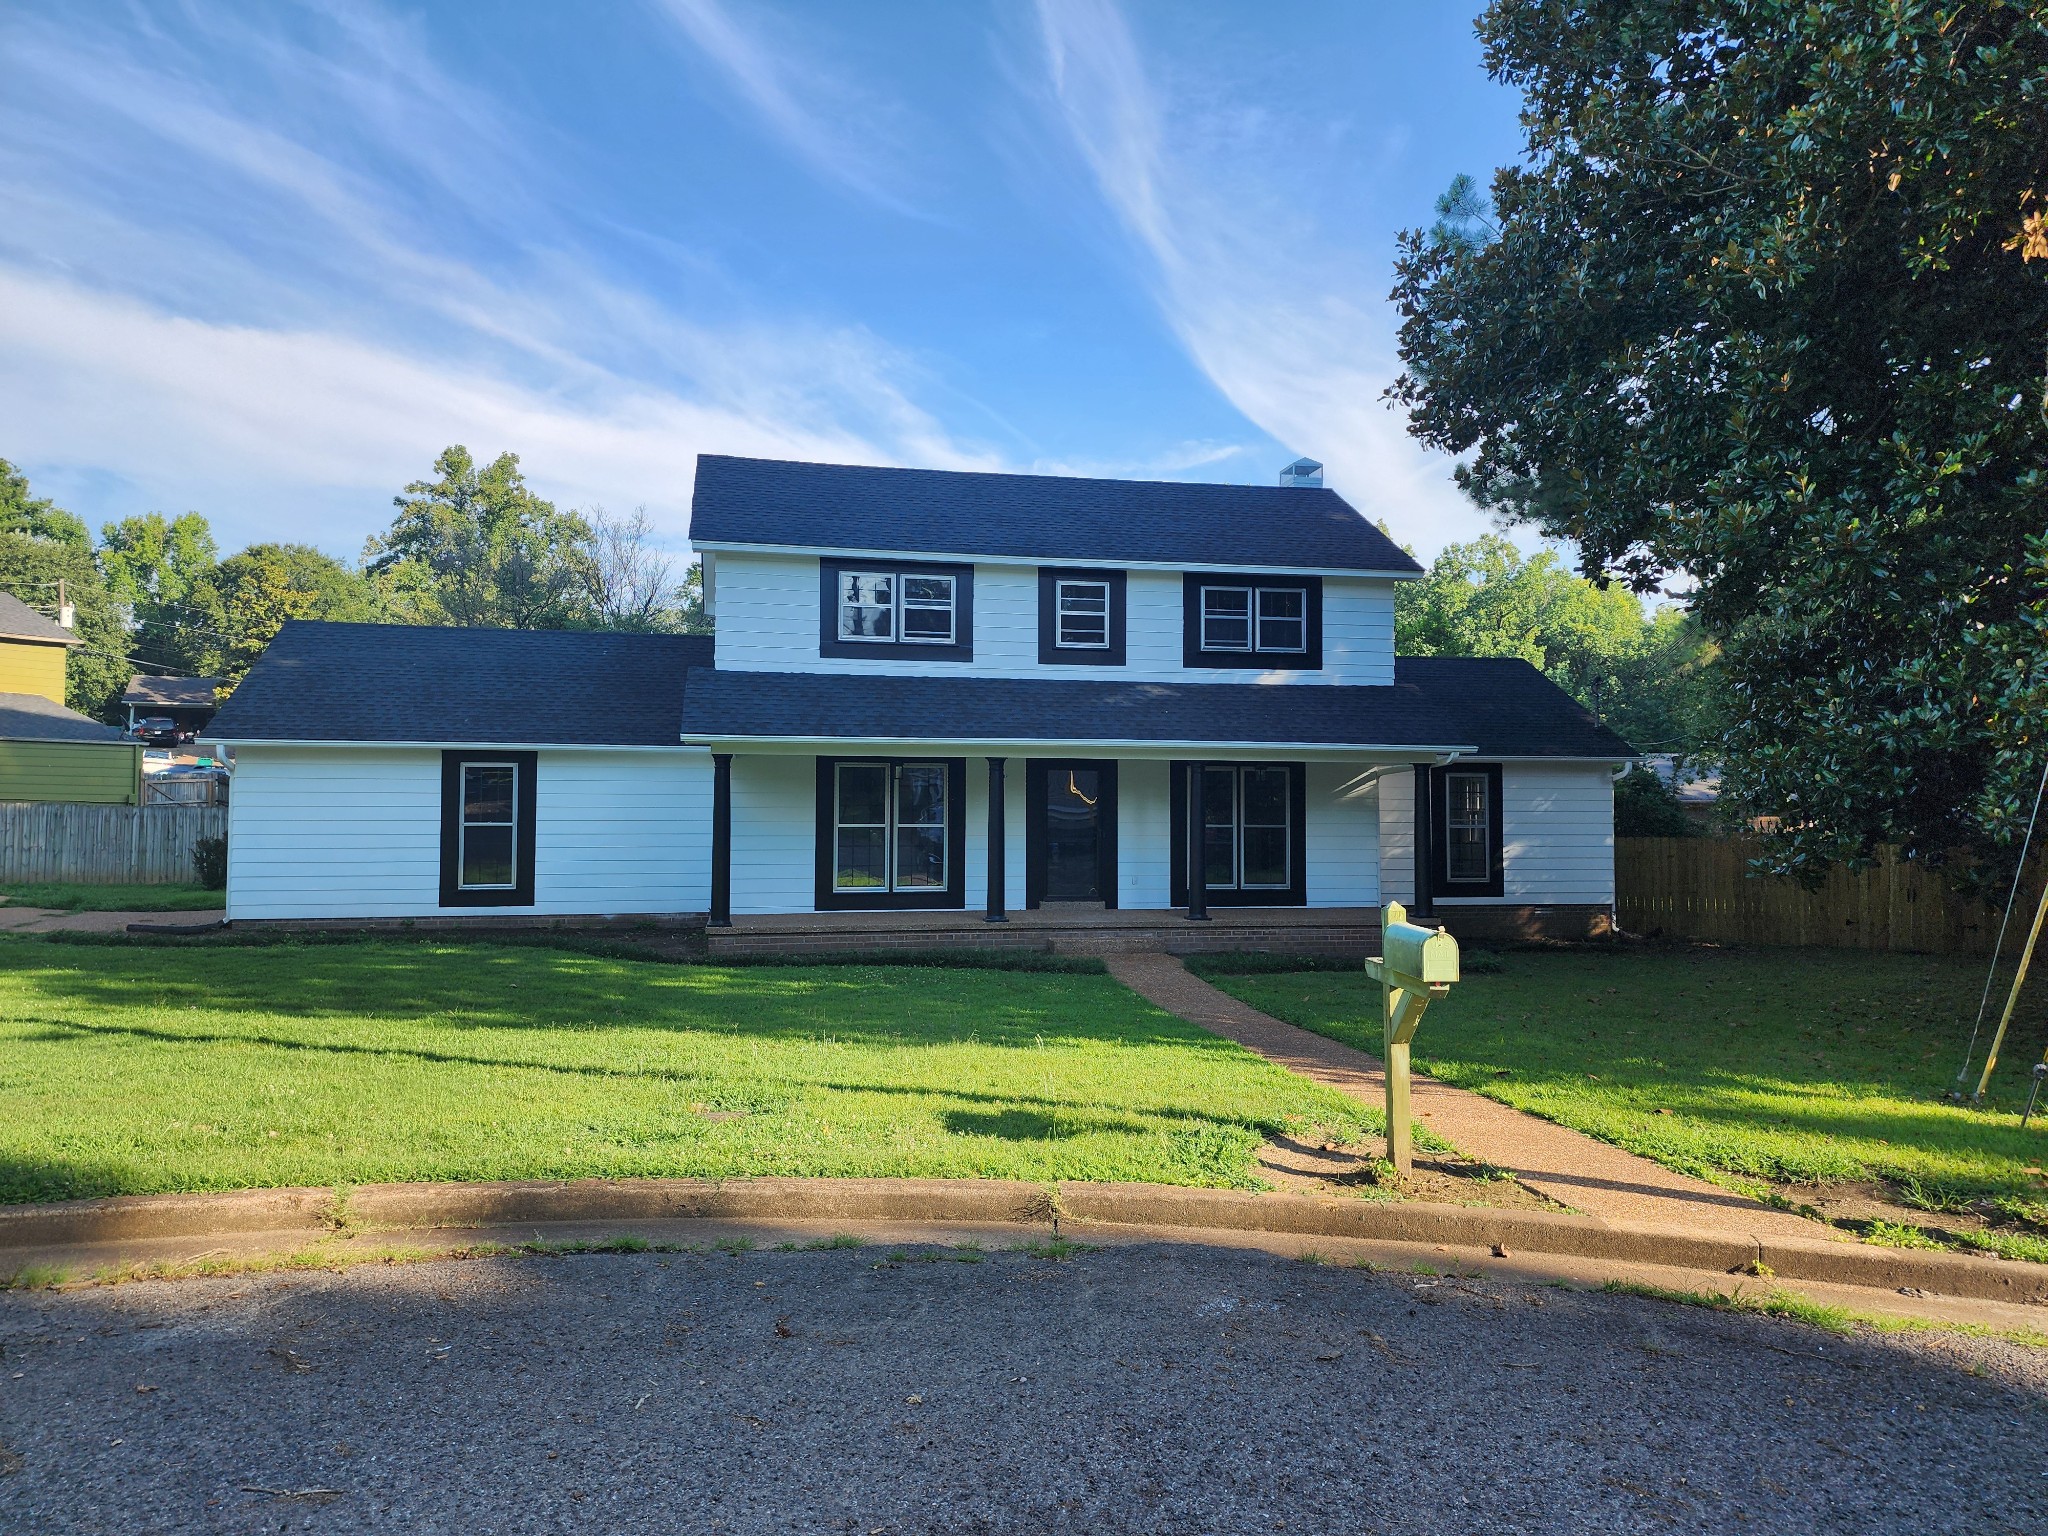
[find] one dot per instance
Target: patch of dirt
(1311, 1167)
(1854, 1205)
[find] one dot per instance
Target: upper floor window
(870, 607)
(1269, 622)
(1080, 617)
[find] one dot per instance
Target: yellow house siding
(27, 667)
(101, 773)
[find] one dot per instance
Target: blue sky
(265, 261)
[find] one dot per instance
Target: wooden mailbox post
(1415, 965)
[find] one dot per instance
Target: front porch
(1347, 932)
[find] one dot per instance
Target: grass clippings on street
(135, 1070)
(1782, 1073)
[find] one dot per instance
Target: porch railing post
(720, 915)
(997, 873)
(1198, 873)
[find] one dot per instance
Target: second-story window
(1080, 617)
(874, 609)
(1272, 622)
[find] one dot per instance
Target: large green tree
(1766, 303)
(239, 606)
(154, 564)
(37, 517)
(1650, 676)
(476, 546)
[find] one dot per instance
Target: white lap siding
(1557, 836)
(1343, 837)
(318, 832)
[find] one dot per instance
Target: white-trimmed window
(1468, 827)
(889, 827)
(1283, 619)
(1081, 615)
(487, 857)
(885, 607)
(1247, 832)
(1226, 618)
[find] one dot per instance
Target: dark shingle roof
(1509, 709)
(1032, 517)
(171, 692)
(31, 717)
(396, 682)
(18, 621)
(823, 705)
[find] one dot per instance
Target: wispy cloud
(840, 128)
(272, 274)
(1289, 327)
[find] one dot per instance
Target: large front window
(1468, 824)
(1246, 828)
(890, 826)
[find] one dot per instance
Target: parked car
(158, 731)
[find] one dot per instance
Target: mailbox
(1415, 965)
(1427, 955)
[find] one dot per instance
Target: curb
(314, 1212)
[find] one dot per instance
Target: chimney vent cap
(1302, 472)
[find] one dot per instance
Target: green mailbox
(1415, 964)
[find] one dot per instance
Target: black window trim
(1439, 833)
(953, 897)
(1195, 656)
(896, 649)
(1295, 894)
(1050, 651)
(525, 816)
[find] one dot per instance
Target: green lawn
(127, 1069)
(114, 898)
(1789, 1066)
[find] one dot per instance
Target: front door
(1072, 831)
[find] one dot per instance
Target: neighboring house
(1138, 677)
(187, 701)
(48, 752)
(32, 650)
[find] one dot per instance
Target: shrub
(210, 858)
(1645, 806)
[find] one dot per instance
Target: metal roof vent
(1302, 472)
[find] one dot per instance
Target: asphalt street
(1155, 1388)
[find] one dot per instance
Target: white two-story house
(941, 708)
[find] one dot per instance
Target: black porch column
(1425, 843)
(720, 915)
(1198, 864)
(998, 875)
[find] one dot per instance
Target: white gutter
(1062, 561)
(1072, 744)
(445, 746)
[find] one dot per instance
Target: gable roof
(171, 692)
(31, 717)
(322, 681)
(1052, 518)
(18, 621)
(1509, 709)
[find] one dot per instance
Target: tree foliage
(476, 547)
(632, 584)
(36, 517)
(1650, 677)
(1645, 806)
(241, 604)
(1767, 304)
(155, 565)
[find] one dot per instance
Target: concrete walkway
(1571, 1168)
(56, 920)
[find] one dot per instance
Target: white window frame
(900, 603)
(1059, 609)
(1249, 618)
(463, 824)
(1237, 882)
(1483, 827)
(1259, 621)
(890, 824)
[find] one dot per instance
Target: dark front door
(1071, 843)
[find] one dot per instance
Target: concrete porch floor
(1065, 930)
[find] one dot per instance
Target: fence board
(1700, 888)
(104, 844)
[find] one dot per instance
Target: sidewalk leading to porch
(1571, 1168)
(1066, 929)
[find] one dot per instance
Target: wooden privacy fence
(104, 844)
(1700, 888)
